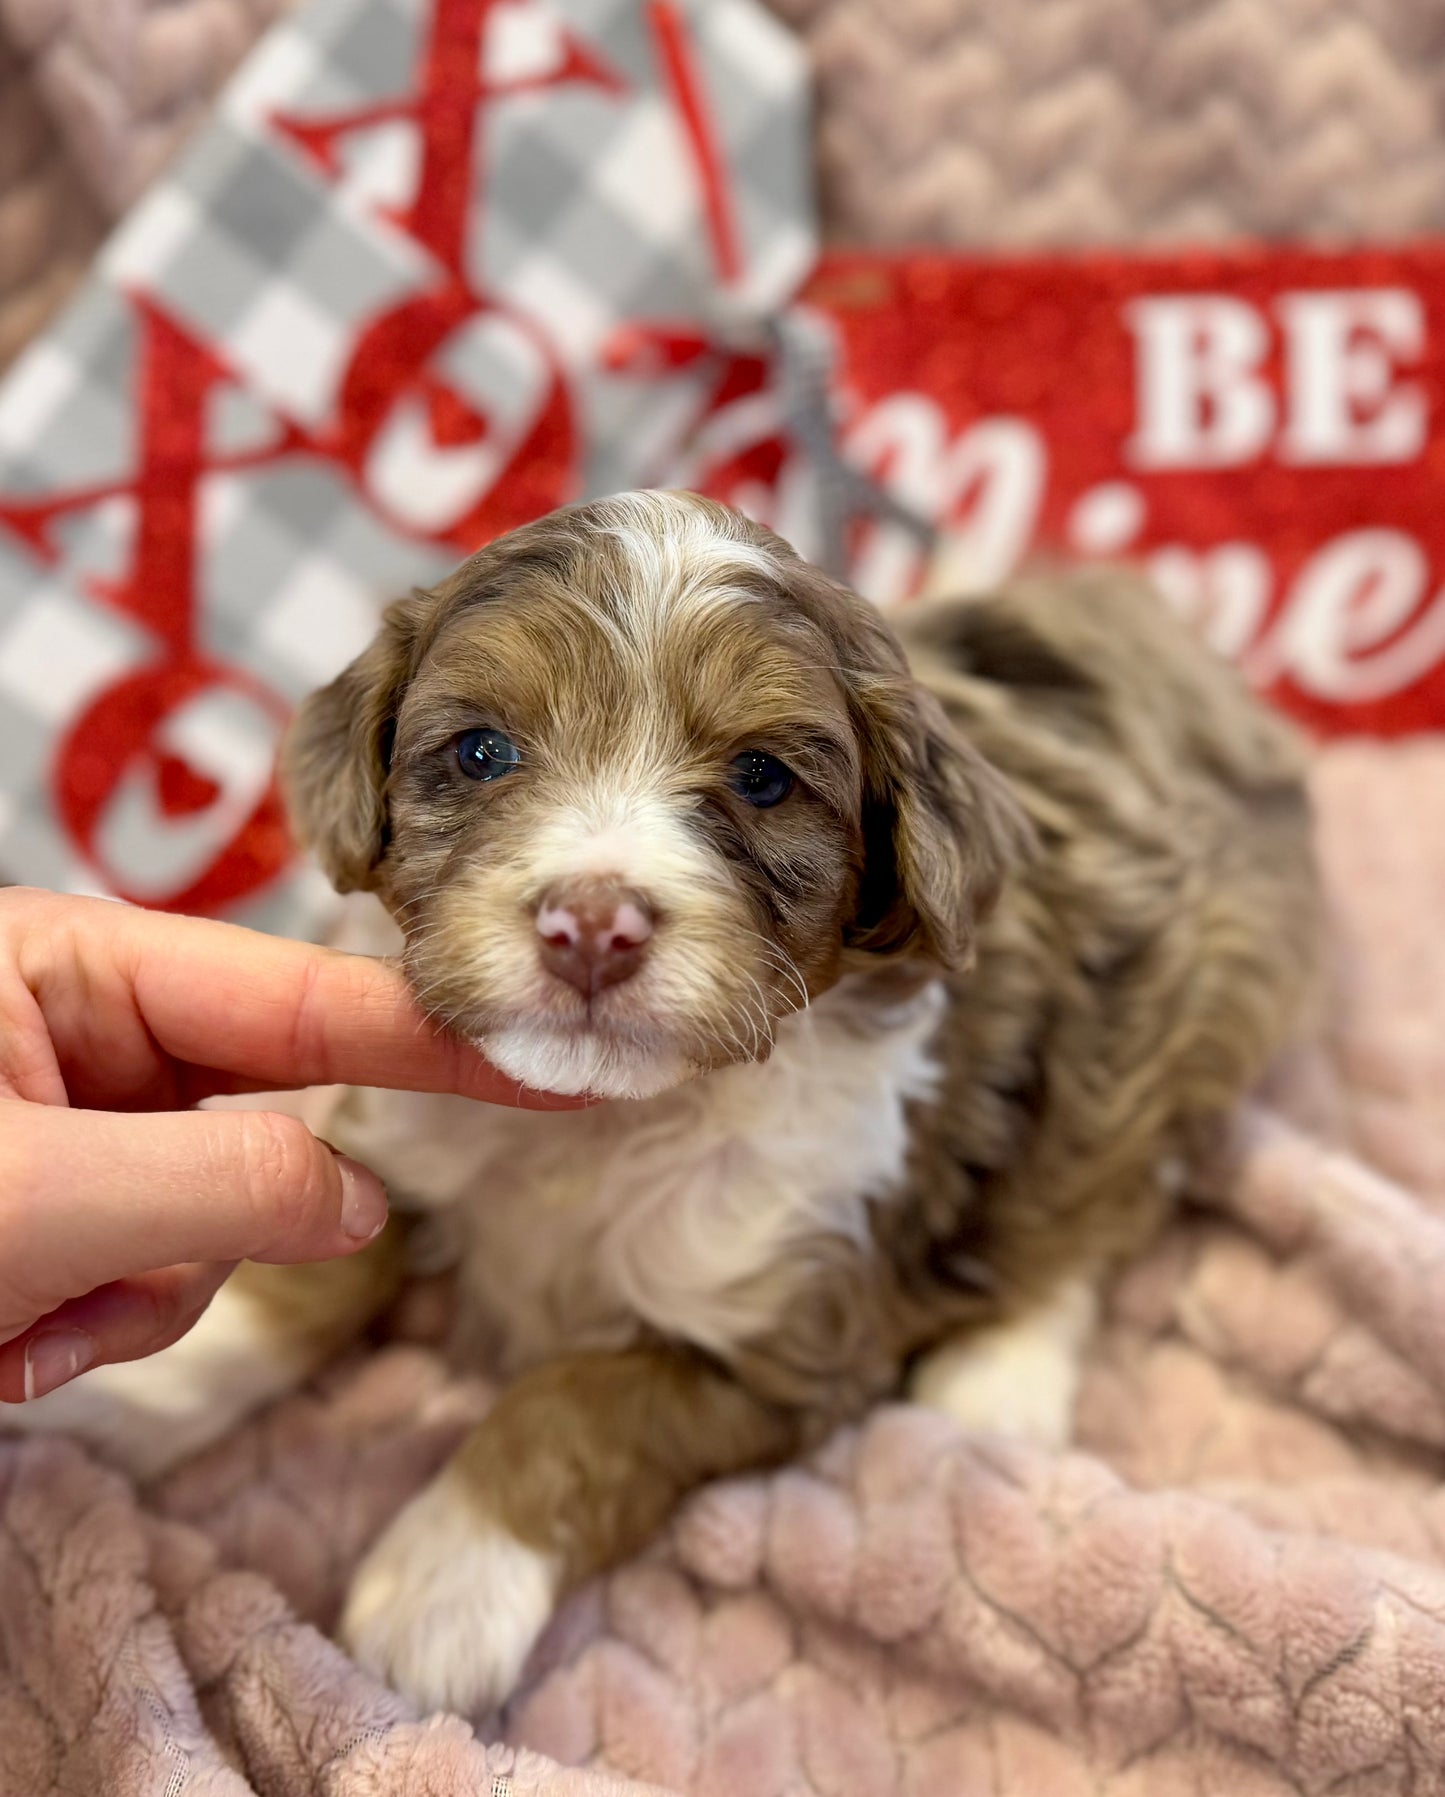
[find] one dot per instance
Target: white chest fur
(574, 1228)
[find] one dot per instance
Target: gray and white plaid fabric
(587, 204)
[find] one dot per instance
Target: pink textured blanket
(1236, 1584)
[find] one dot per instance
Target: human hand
(122, 1209)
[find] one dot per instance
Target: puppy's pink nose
(594, 934)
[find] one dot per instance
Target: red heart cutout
(182, 790)
(454, 423)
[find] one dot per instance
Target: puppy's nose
(593, 934)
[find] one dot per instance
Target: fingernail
(363, 1199)
(54, 1356)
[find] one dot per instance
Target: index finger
(295, 1015)
(245, 1011)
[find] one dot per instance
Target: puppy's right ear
(337, 753)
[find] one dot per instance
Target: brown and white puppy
(922, 979)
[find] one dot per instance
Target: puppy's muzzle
(593, 934)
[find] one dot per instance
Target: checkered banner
(421, 279)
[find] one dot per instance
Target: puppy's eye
(486, 754)
(761, 779)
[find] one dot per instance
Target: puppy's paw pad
(447, 1606)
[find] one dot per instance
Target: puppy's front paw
(447, 1605)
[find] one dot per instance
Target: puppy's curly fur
(913, 1057)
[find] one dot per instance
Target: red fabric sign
(1263, 430)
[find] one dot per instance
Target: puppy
(919, 981)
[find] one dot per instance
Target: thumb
(87, 1197)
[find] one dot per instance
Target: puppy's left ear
(941, 829)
